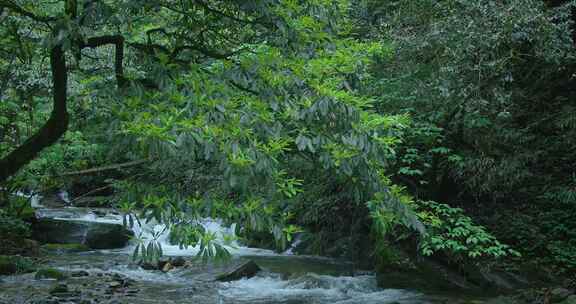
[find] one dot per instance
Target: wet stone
(178, 262)
(59, 288)
(167, 267)
(246, 269)
(115, 284)
(78, 274)
(149, 266)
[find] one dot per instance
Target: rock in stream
(92, 234)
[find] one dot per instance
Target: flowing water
(285, 279)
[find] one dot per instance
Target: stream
(109, 276)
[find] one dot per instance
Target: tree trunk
(52, 130)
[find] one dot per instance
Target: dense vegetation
(447, 127)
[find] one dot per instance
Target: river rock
(92, 234)
(246, 269)
(115, 284)
(178, 262)
(167, 267)
(494, 279)
(150, 266)
(59, 289)
(79, 274)
(164, 265)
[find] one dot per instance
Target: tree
(58, 42)
(244, 108)
(497, 89)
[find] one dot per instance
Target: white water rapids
(268, 287)
(147, 230)
(312, 288)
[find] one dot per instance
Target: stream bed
(109, 276)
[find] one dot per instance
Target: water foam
(312, 288)
(147, 230)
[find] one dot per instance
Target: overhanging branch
(52, 130)
(116, 40)
(106, 168)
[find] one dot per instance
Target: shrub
(13, 228)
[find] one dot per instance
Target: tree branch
(52, 130)
(118, 41)
(209, 9)
(179, 49)
(106, 168)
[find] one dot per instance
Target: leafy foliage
(496, 85)
(337, 118)
(453, 232)
(12, 228)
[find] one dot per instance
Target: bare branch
(107, 168)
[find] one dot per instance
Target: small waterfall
(294, 245)
(64, 196)
(34, 198)
(147, 230)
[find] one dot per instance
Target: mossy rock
(65, 248)
(15, 265)
(50, 273)
(92, 234)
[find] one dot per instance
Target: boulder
(92, 234)
(494, 278)
(246, 269)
